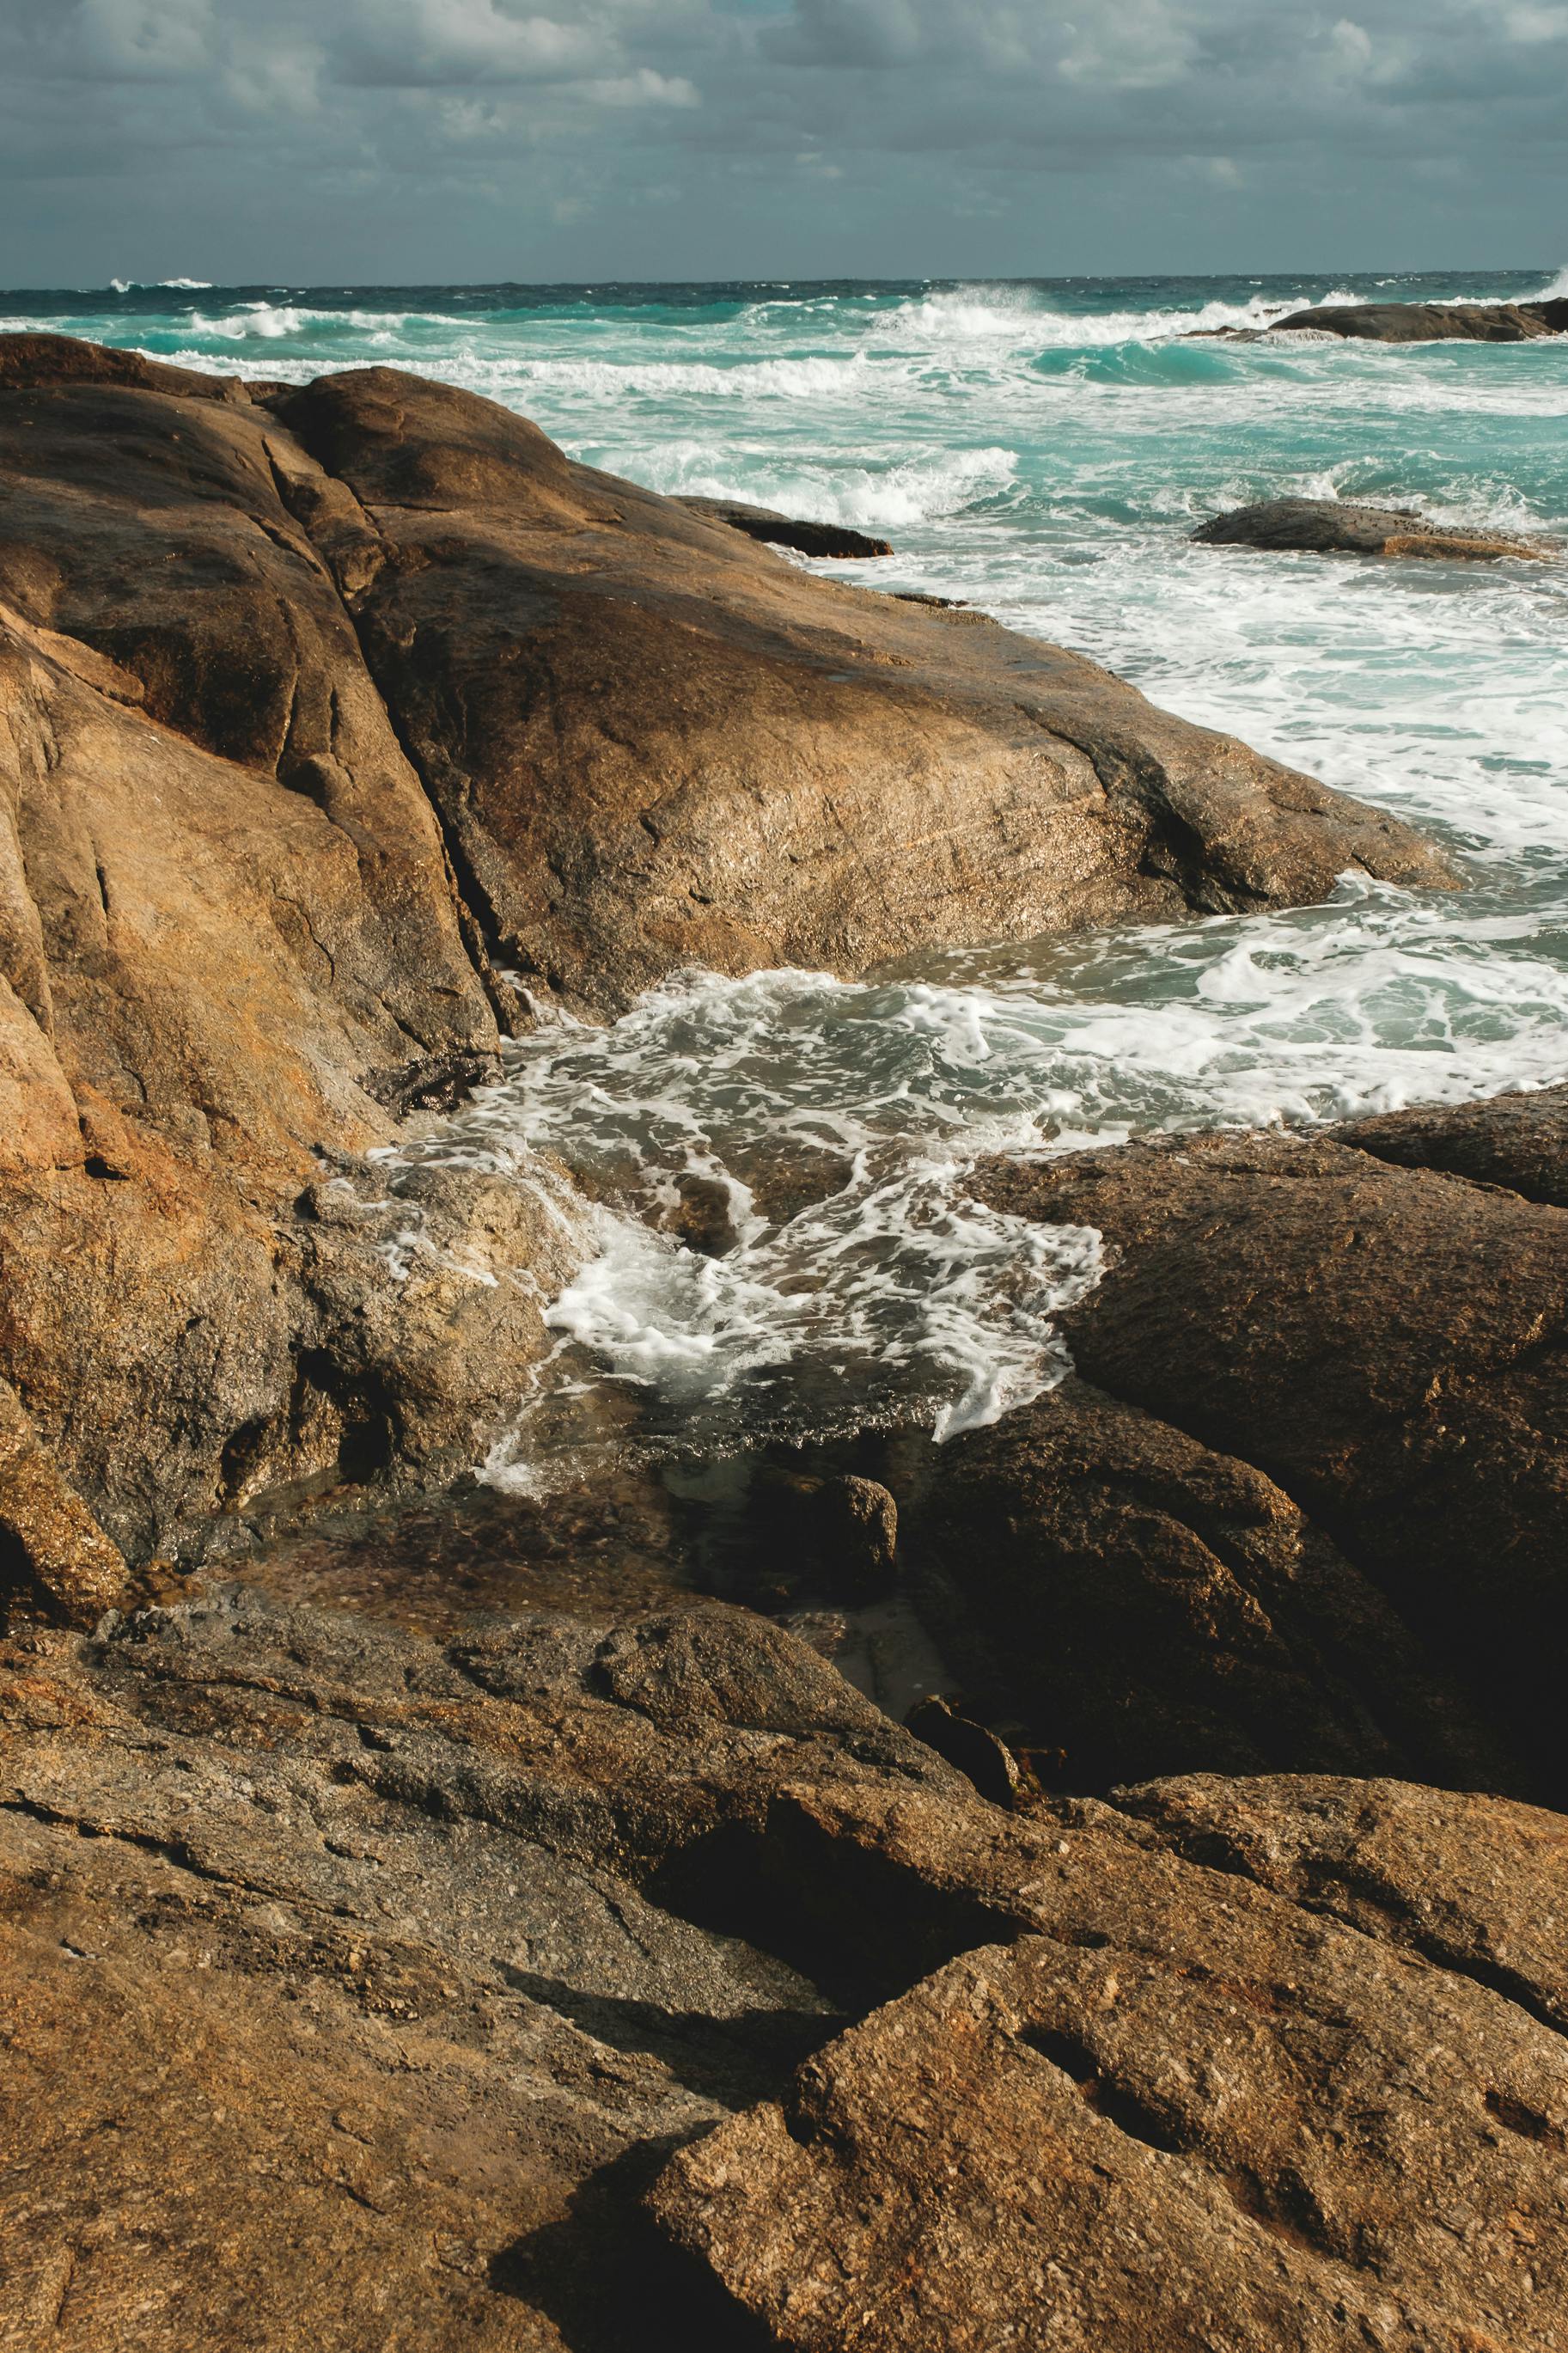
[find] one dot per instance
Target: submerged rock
(1346, 527)
(359, 1988)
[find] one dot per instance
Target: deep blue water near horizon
(1043, 449)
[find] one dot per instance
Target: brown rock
(652, 743)
(1386, 1345)
(1431, 322)
(255, 887)
(1151, 1606)
(1472, 1882)
(1347, 527)
(53, 1554)
(355, 1987)
(1518, 1141)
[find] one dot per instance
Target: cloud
(429, 44)
(341, 137)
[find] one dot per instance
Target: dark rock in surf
(1518, 1142)
(829, 539)
(1430, 322)
(1333, 527)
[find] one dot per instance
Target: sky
(405, 141)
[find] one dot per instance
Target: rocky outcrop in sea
(436, 1919)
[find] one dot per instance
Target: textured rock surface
(356, 1988)
(1145, 1604)
(54, 1559)
(1429, 322)
(1387, 1346)
(653, 742)
(1343, 527)
(1518, 1141)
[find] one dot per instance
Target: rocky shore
(463, 1924)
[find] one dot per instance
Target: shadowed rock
(1150, 1605)
(783, 530)
(1335, 527)
(1388, 1348)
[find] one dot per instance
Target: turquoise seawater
(1042, 450)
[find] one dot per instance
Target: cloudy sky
(401, 140)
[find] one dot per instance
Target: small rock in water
(1344, 527)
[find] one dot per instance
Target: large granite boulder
(653, 742)
(1347, 527)
(358, 1988)
(1380, 1349)
(1139, 1602)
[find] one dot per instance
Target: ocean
(1042, 448)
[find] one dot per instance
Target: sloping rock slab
(786, 531)
(1387, 1346)
(1155, 2127)
(652, 743)
(355, 1988)
(1335, 527)
(1431, 322)
(1518, 1141)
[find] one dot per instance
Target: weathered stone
(1149, 1605)
(1348, 527)
(652, 743)
(324, 712)
(1472, 1882)
(1387, 1346)
(53, 1555)
(1520, 1142)
(355, 1986)
(1431, 322)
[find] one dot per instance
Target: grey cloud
(404, 138)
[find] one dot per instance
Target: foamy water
(1044, 451)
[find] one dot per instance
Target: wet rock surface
(829, 539)
(1429, 322)
(1347, 527)
(1384, 1347)
(365, 1989)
